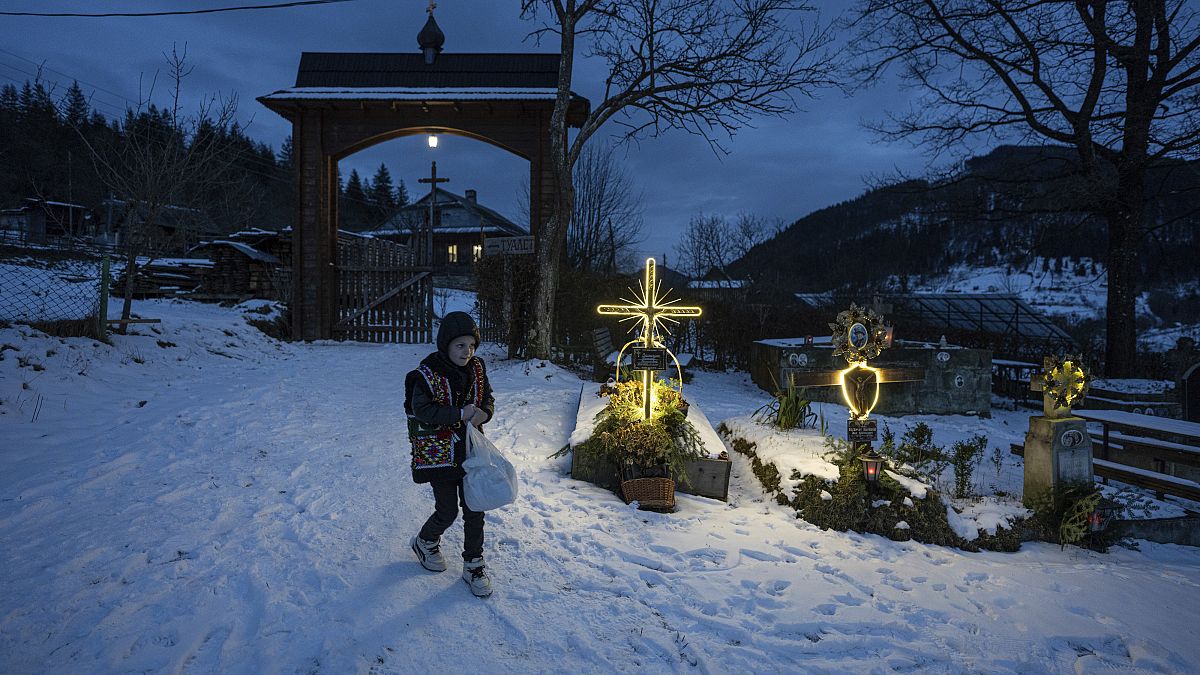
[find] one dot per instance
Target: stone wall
(957, 380)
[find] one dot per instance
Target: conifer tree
(75, 108)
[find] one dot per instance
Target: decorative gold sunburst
(1066, 380)
(859, 334)
(649, 308)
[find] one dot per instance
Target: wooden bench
(604, 356)
(1161, 483)
(1159, 444)
(1158, 451)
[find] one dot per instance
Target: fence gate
(383, 296)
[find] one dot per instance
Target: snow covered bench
(605, 356)
(1161, 483)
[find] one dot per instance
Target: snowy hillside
(1076, 292)
(201, 498)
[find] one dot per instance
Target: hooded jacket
(434, 396)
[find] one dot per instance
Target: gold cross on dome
(649, 308)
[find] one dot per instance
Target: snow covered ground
(201, 498)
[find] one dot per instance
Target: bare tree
(607, 221)
(1116, 81)
(160, 159)
(710, 242)
(703, 66)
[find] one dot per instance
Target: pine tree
(354, 188)
(381, 195)
(401, 195)
(75, 108)
(286, 151)
(354, 204)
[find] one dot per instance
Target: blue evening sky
(780, 169)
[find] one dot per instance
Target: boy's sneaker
(475, 574)
(429, 554)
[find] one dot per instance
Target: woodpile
(165, 277)
(239, 271)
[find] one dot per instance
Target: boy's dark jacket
(421, 405)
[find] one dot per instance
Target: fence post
(102, 329)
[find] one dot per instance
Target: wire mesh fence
(52, 291)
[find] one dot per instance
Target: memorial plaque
(648, 358)
(862, 431)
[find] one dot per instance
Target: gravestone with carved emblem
(1058, 450)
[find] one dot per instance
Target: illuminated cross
(650, 310)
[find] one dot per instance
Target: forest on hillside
(1007, 208)
(54, 145)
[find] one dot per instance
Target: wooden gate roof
(396, 77)
(330, 69)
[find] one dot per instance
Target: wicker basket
(654, 494)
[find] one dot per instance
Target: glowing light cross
(650, 310)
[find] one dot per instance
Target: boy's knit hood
(456, 324)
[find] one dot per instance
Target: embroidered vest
(432, 444)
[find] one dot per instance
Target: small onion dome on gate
(431, 38)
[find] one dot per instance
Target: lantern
(872, 465)
(1099, 520)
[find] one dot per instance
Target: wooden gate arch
(346, 102)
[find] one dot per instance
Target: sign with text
(508, 245)
(862, 431)
(648, 358)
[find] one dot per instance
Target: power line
(213, 10)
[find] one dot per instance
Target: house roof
(998, 313)
(245, 249)
(718, 283)
(493, 223)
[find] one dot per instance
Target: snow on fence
(40, 292)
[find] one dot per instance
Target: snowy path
(254, 515)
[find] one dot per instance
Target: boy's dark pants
(447, 495)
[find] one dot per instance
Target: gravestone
(1058, 449)
(955, 380)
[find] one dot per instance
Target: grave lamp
(1099, 519)
(872, 465)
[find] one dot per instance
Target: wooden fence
(382, 295)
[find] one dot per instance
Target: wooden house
(39, 221)
(461, 224)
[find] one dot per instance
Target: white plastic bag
(491, 480)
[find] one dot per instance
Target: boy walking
(449, 390)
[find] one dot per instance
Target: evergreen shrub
(852, 506)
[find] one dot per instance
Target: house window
(452, 253)
(476, 252)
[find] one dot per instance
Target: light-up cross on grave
(859, 334)
(650, 310)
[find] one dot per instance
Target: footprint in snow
(849, 600)
(759, 555)
(778, 586)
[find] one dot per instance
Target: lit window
(476, 252)
(452, 253)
